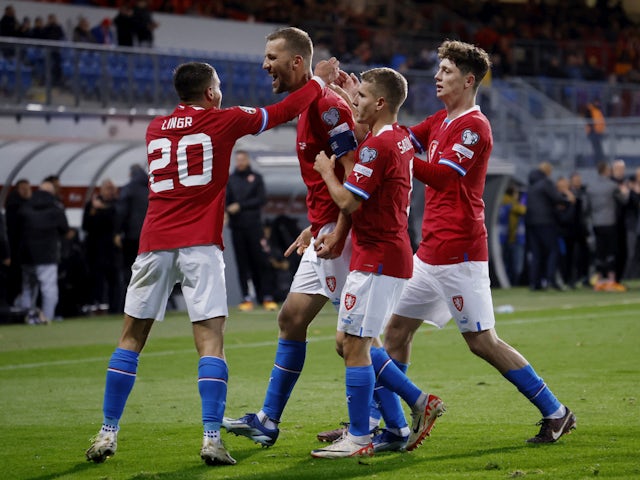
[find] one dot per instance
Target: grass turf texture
(584, 344)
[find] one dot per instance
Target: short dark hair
(468, 58)
(389, 84)
(297, 42)
(192, 79)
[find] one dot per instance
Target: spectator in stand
(42, 225)
(9, 23)
(583, 247)
(38, 31)
(246, 196)
(143, 22)
(102, 253)
(606, 196)
(542, 227)
(103, 33)
(132, 203)
(25, 29)
(125, 27)
(18, 196)
(9, 28)
(82, 32)
(595, 128)
(53, 31)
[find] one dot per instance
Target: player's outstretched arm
(298, 101)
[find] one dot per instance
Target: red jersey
(453, 228)
(188, 153)
(315, 126)
(382, 178)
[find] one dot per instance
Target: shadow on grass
(385, 465)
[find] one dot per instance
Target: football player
(326, 125)
(181, 240)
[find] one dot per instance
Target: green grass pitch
(584, 344)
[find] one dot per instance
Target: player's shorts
(436, 293)
(368, 299)
(199, 270)
(317, 276)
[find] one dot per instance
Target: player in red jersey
(181, 240)
(450, 271)
(326, 125)
(376, 194)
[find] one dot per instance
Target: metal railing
(533, 118)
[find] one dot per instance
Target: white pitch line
(500, 322)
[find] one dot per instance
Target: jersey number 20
(164, 145)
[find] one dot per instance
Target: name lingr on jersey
(176, 122)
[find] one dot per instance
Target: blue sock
(121, 375)
(213, 374)
(533, 387)
(286, 370)
(389, 402)
(391, 377)
(359, 382)
(374, 410)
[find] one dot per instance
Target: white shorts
(436, 293)
(317, 276)
(368, 299)
(199, 270)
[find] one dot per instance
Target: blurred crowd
(133, 25)
(578, 41)
(565, 234)
(50, 270)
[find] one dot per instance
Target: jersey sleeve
(337, 118)
(467, 141)
(368, 170)
(419, 135)
(292, 106)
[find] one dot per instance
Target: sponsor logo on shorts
(331, 283)
(458, 302)
(349, 301)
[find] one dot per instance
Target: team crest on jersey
(349, 301)
(249, 110)
(331, 283)
(368, 154)
(331, 117)
(470, 137)
(458, 302)
(433, 148)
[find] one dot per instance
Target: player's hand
(349, 82)
(329, 245)
(324, 164)
(328, 70)
(301, 243)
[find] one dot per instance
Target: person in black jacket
(43, 223)
(245, 197)
(131, 207)
(5, 261)
(18, 196)
(541, 220)
(99, 221)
